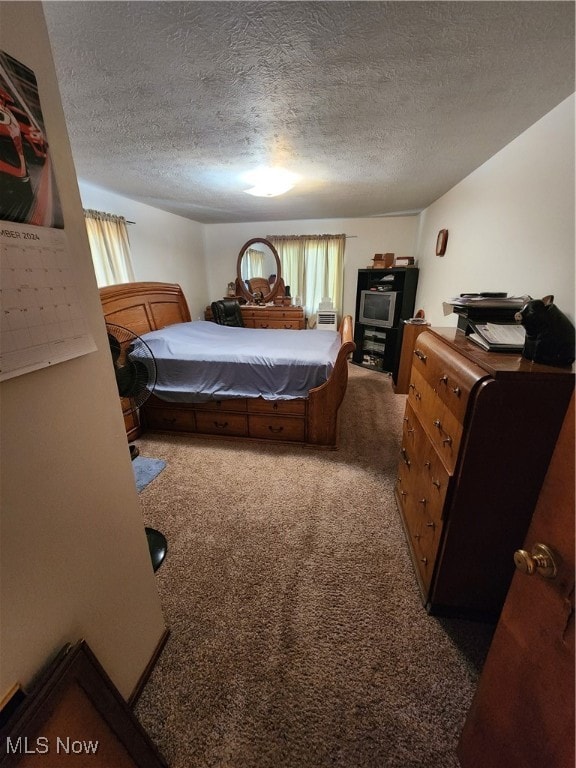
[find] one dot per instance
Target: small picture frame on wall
(441, 242)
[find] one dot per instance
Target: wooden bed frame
(144, 307)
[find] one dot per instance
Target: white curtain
(110, 246)
(253, 263)
(313, 267)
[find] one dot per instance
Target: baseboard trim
(136, 693)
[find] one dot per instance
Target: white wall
(223, 243)
(74, 558)
(510, 223)
(165, 248)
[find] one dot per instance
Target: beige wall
(165, 248)
(74, 558)
(510, 223)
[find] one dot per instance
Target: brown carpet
(298, 638)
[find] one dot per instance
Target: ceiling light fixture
(270, 182)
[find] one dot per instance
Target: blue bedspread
(201, 361)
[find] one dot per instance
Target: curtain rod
(346, 236)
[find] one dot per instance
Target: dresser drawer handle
(437, 423)
(436, 483)
(444, 379)
(422, 501)
(405, 457)
(418, 396)
(166, 420)
(276, 430)
(424, 560)
(410, 430)
(221, 425)
(457, 391)
(431, 525)
(427, 464)
(420, 355)
(447, 440)
(264, 325)
(411, 386)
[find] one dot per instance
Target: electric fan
(135, 370)
(134, 366)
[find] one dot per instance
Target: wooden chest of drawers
(479, 431)
(290, 318)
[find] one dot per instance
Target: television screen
(377, 308)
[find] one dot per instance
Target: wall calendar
(42, 320)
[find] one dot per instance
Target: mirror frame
(241, 285)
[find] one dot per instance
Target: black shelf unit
(379, 348)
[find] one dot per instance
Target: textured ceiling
(379, 107)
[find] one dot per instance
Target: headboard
(143, 307)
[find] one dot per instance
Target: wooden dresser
(269, 316)
(479, 431)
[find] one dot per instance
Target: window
(110, 247)
(313, 267)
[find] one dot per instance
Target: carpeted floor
(298, 639)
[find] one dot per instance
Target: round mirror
(258, 270)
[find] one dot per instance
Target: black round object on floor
(158, 547)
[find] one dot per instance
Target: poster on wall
(28, 192)
(41, 316)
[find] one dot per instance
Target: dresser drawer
(221, 423)
(169, 418)
(232, 404)
(450, 375)
(293, 407)
(440, 424)
(273, 313)
(288, 325)
(423, 481)
(409, 485)
(286, 318)
(277, 427)
(425, 548)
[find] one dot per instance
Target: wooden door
(522, 715)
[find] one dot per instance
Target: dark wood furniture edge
(498, 364)
(144, 677)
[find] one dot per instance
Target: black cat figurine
(550, 335)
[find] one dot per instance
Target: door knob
(540, 560)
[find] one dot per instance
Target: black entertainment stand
(379, 348)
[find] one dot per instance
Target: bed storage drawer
(221, 423)
(235, 404)
(293, 407)
(277, 427)
(171, 419)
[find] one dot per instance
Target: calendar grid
(41, 320)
